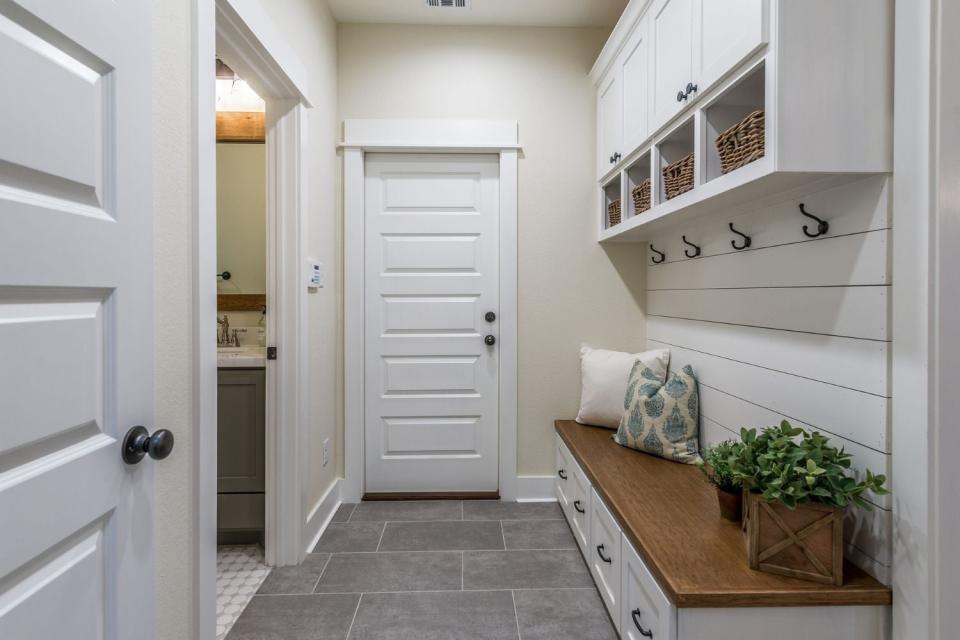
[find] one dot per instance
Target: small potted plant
(797, 487)
(718, 468)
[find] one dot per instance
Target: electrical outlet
(326, 452)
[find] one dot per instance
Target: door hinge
(271, 353)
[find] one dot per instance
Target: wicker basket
(678, 177)
(613, 213)
(641, 197)
(742, 143)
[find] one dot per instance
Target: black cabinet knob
(691, 88)
(138, 443)
(489, 316)
(489, 341)
(681, 96)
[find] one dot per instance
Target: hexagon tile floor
(240, 572)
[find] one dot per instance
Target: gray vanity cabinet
(241, 416)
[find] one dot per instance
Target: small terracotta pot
(731, 505)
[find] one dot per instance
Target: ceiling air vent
(452, 4)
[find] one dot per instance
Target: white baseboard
(535, 489)
(321, 514)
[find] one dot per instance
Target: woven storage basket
(613, 213)
(678, 177)
(641, 197)
(742, 143)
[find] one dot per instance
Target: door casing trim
(426, 136)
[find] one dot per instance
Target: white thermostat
(315, 274)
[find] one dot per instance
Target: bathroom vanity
(241, 416)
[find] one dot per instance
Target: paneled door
(76, 321)
(431, 369)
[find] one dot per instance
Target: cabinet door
(724, 33)
(241, 428)
(635, 75)
(562, 480)
(644, 608)
(604, 555)
(671, 57)
(580, 509)
(609, 120)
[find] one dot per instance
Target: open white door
(76, 320)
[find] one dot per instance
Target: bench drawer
(604, 555)
(644, 609)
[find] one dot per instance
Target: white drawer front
(563, 478)
(580, 499)
(604, 555)
(644, 609)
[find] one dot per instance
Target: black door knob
(489, 341)
(489, 316)
(138, 442)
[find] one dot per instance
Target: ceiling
(539, 13)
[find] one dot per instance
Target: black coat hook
(225, 275)
(746, 240)
(662, 255)
(696, 249)
(822, 225)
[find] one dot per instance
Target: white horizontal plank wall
(792, 328)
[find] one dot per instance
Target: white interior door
(76, 329)
(432, 229)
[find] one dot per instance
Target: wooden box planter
(805, 542)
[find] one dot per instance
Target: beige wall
(242, 217)
(570, 288)
(311, 32)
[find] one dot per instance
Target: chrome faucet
(223, 336)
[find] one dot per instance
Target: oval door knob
(489, 341)
(489, 316)
(138, 443)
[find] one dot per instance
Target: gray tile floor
(433, 570)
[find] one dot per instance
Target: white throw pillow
(604, 376)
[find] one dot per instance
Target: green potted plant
(796, 488)
(717, 467)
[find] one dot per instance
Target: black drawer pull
(562, 473)
(576, 505)
(606, 559)
(646, 633)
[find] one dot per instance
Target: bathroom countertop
(241, 357)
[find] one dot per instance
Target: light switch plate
(316, 275)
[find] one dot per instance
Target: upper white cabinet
(610, 122)
(722, 102)
(634, 71)
(724, 33)
(671, 46)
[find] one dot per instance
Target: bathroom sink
(244, 356)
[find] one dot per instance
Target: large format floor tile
(404, 510)
(299, 579)
(496, 510)
(538, 534)
(346, 537)
(565, 614)
(441, 536)
(303, 617)
(343, 512)
(404, 571)
(524, 570)
(454, 615)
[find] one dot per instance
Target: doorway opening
(241, 344)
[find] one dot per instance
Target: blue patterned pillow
(662, 419)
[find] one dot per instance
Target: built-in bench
(668, 566)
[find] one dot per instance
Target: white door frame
(426, 136)
(241, 33)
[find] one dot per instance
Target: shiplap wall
(793, 328)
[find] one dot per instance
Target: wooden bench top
(670, 514)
